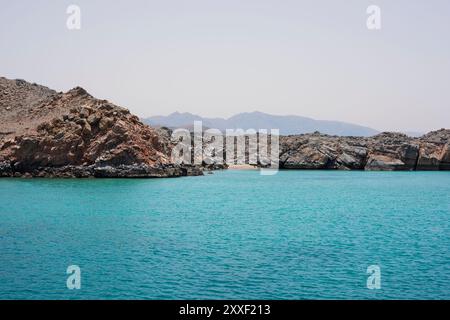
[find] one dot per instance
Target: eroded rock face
(445, 157)
(74, 134)
(434, 152)
(378, 162)
(386, 151)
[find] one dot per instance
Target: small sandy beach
(242, 167)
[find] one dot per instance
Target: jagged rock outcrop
(386, 151)
(45, 133)
(435, 151)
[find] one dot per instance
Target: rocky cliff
(46, 133)
(385, 151)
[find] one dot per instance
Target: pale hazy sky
(312, 58)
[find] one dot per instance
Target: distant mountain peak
(256, 112)
(177, 113)
(287, 124)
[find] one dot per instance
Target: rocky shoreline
(384, 152)
(44, 133)
(93, 171)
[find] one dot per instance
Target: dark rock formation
(386, 151)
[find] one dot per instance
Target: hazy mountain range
(258, 120)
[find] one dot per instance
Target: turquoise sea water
(231, 235)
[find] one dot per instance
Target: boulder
(378, 162)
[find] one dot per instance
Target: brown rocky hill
(46, 133)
